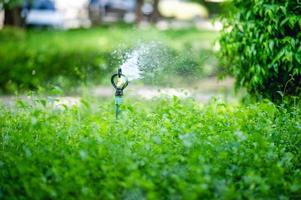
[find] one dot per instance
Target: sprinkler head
(119, 72)
(119, 82)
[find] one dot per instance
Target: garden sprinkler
(119, 82)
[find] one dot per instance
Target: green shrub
(29, 61)
(261, 47)
(161, 149)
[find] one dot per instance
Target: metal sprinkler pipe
(119, 82)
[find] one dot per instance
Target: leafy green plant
(261, 47)
(159, 149)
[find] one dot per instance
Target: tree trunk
(12, 17)
(139, 13)
(156, 14)
(95, 15)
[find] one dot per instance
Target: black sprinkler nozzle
(119, 73)
(118, 83)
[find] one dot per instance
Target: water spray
(119, 82)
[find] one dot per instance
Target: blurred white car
(44, 18)
(42, 13)
(56, 13)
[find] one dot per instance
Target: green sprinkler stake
(119, 82)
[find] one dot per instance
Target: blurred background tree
(12, 12)
(215, 7)
(156, 13)
(139, 14)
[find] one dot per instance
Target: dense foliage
(169, 150)
(30, 60)
(41, 58)
(10, 3)
(261, 47)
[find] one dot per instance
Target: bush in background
(34, 59)
(31, 61)
(261, 47)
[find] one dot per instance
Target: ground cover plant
(42, 58)
(159, 149)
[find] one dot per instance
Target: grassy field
(159, 149)
(45, 58)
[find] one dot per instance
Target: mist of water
(130, 67)
(144, 59)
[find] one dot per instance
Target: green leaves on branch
(10, 3)
(261, 47)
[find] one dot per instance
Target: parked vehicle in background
(56, 13)
(112, 10)
(42, 13)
